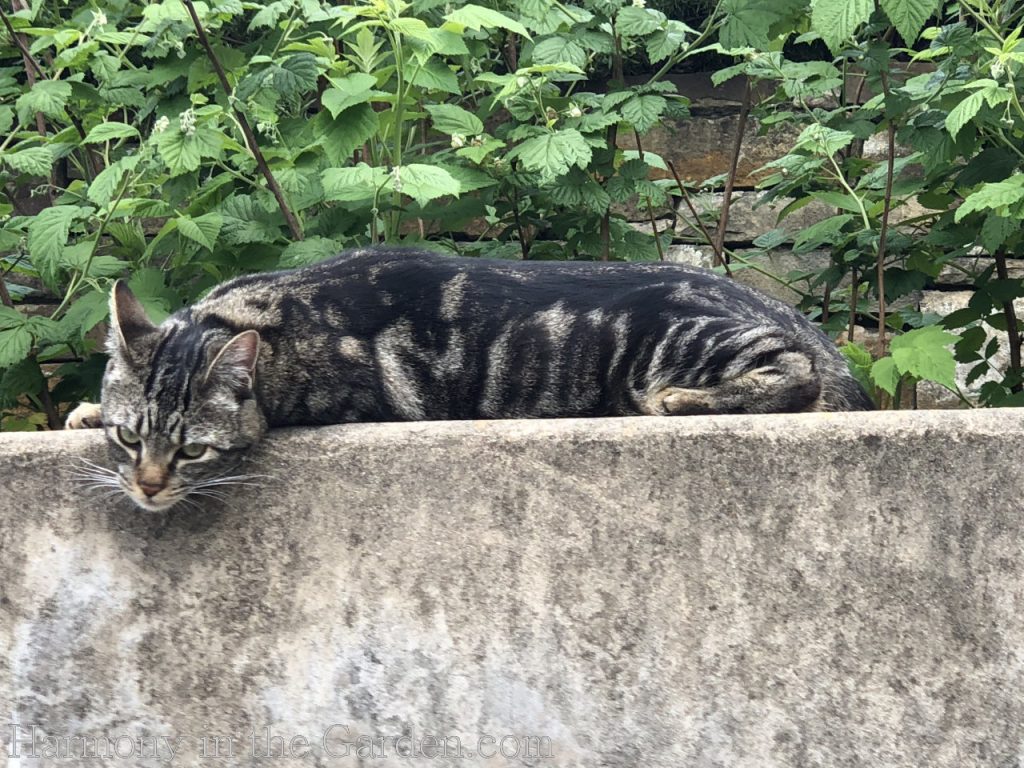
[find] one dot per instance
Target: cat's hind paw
(85, 416)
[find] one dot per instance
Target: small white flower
(522, 81)
(639, 3)
(99, 19)
(997, 70)
(458, 141)
(575, 111)
(187, 121)
(161, 124)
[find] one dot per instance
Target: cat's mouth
(158, 502)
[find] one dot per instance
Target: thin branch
(650, 205)
(717, 249)
(1012, 331)
(250, 137)
(883, 234)
(734, 162)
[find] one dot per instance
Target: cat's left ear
(235, 364)
(131, 331)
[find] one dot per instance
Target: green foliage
(377, 121)
(943, 82)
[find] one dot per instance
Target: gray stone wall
(836, 590)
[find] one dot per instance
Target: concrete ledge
(819, 590)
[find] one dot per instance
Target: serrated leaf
(885, 375)
(909, 16)
(295, 75)
(104, 187)
(15, 344)
(451, 119)
(46, 96)
(995, 230)
(477, 17)
(109, 131)
(643, 111)
(560, 50)
(47, 235)
(963, 112)
(202, 229)
(183, 152)
(347, 92)
(633, 21)
(822, 140)
(36, 161)
(309, 251)
(924, 353)
(86, 312)
(349, 185)
(998, 196)
(436, 76)
(424, 183)
(245, 221)
(341, 135)
(552, 154)
(837, 20)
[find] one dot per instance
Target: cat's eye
(192, 450)
(128, 436)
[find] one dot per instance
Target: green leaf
(837, 20)
(644, 111)
(47, 235)
(246, 221)
(477, 17)
(823, 141)
(295, 75)
(46, 96)
(560, 50)
(85, 313)
(15, 344)
(924, 354)
(552, 154)
(347, 92)
(450, 119)
(909, 16)
(963, 112)
(109, 131)
(435, 76)
(995, 231)
(150, 289)
(424, 183)
(885, 375)
(633, 21)
(309, 251)
(202, 229)
(998, 196)
(341, 135)
(824, 231)
(108, 181)
(183, 152)
(36, 161)
(349, 185)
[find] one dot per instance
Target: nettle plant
(937, 83)
(183, 143)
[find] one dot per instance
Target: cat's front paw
(85, 416)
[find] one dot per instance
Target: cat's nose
(151, 489)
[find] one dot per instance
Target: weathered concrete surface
(820, 590)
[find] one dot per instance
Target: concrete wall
(821, 590)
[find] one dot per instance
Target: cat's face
(178, 405)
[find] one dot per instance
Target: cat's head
(178, 403)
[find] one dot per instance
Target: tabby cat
(389, 334)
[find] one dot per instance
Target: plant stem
(883, 231)
(250, 137)
(730, 181)
(715, 247)
(650, 205)
(1012, 330)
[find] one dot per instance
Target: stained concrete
(822, 590)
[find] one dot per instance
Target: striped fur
(390, 334)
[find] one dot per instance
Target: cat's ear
(130, 328)
(235, 364)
